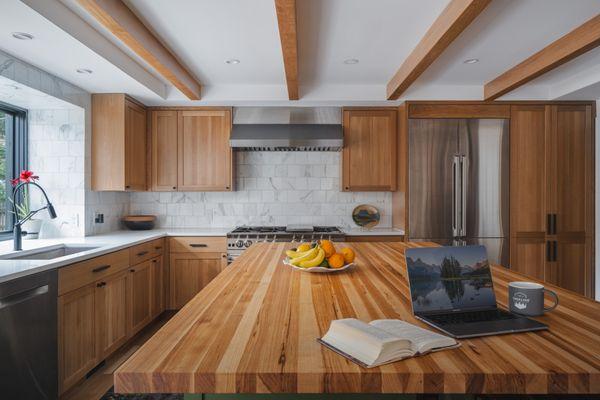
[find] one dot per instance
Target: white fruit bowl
(286, 261)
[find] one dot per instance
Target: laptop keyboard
(470, 316)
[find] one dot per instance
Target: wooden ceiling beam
(115, 16)
(457, 15)
(573, 44)
(286, 19)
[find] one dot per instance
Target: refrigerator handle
(464, 170)
(455, 196)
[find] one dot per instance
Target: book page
(422, 339)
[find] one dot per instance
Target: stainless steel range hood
(287, 129)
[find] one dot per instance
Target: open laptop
(451, 289)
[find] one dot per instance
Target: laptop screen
(449, 278)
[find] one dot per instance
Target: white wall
(272, 188)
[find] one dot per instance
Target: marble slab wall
(56, 155)
(272, 188)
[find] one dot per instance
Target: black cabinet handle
(132, 270)
(548, 251)
(101, 268)
(157, 248)
(127, 186)
(198, 245)
(554, 251)
(174, 187)
(553, 224)
(549, 224)
(226, 187)
(142, 253)
(101, 284)
(154, 261)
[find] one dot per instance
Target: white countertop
(374, 232)
(107, 243)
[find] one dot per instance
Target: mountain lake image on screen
(449, 278)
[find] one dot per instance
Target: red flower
(14, 182)
(28, 176)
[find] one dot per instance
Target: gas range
(243, 237)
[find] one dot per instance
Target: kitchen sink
(48, 253)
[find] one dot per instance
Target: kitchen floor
(101, 381)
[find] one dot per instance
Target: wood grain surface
(253, 329)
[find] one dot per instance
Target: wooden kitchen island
(253, 329)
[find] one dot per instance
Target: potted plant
(31, 226)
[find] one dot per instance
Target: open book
(382, 341)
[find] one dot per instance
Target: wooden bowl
(139, 222)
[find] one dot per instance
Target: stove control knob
(239, 243)
(248, 243)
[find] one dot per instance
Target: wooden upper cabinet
(119, 149)
(204, 150)
(164, 150)
(528, 164)
(370, 154)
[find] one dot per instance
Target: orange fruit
(336, 260)
(327, 247)
(348, 254)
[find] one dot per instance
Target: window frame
(17, 156)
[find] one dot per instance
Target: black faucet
(17, 234)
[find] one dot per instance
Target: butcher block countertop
(253, 329)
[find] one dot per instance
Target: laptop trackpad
(470, 329)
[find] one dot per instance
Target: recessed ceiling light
(84, 71)
(22, 35)
(471, 61)
(232, 61)
(351, 61)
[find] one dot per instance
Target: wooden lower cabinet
(528, 255)
(97, 318)
(140, 293)
(112, 313)
(157, 278)
(190, 272)
(76, 335)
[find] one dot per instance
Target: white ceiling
(379, 33)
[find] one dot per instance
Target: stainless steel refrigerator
(459, 183)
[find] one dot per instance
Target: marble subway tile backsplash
(272, 188)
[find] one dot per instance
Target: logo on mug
(520, 300)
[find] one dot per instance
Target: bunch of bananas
(306, 258)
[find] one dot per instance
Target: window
(13, 158)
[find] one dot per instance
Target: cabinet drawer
(198, 244)
(82, 273)
(146, 251)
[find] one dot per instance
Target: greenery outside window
(13, 159)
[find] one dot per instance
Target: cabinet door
(573, 197)
(528, 188)
(135, 147)
(204, 152)
(164, 150)
(158, 287)
(112, 308)
(190, 272)
(76, 335)
(369, 155)
(140, 291)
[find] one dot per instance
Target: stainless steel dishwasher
(28, 337)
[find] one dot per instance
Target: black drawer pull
(158, 248)
(101, 268)
(101, 284)
(198, 245)
(142, 253)
(132, 270)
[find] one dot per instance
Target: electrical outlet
(99, 218)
